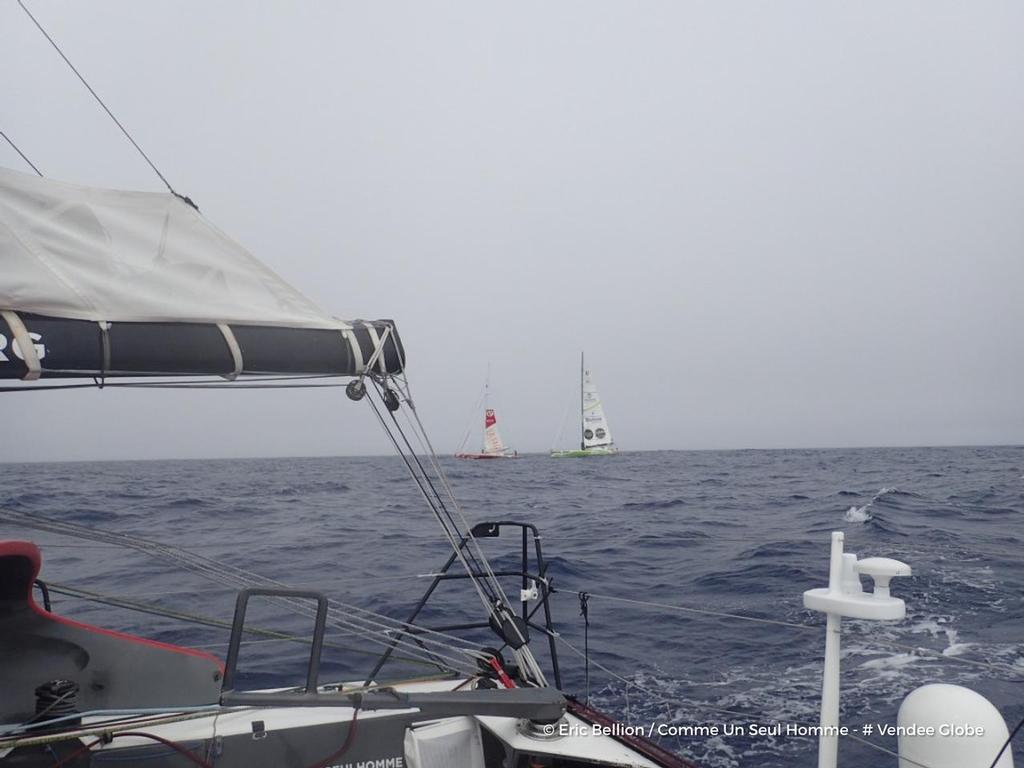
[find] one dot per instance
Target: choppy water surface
(738, 532)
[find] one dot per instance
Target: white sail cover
(492, 437)
(595, 425)
(93, 254)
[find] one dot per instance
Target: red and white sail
(494, 447)
(492, 437)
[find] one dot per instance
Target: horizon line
(521, 453)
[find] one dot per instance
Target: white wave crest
(858, 514)
(862, 514)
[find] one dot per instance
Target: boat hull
(486, 455)
(585, 453)
(269, 737)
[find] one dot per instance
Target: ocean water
(742, 532)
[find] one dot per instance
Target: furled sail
(102, 283)
(595, 425)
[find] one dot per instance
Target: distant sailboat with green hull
(595, 434)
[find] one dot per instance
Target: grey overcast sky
(768, 224)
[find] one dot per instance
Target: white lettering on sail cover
(16, 348)
(384, 762)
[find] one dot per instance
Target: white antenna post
(845, 596)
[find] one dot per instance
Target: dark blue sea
(742, 532)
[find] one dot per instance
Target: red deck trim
(31, 552)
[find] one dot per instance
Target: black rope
(45, 591)
(1007, 743)
(100, 101)
(55, 699)
(585, 613)
(23, 155)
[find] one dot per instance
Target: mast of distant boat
(583, 426)
(487, 400)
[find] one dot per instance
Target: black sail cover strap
(67, 348)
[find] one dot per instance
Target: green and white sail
(596, 433)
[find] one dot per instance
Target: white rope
(379, 346)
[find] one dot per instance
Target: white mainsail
(595, 426)
(111, 256)
(99, 283)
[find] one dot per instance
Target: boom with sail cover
(103, 283)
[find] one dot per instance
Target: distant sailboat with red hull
(493, 447)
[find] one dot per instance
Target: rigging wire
(251, 382)
(561, 430)
(23, 155)
(25, 733)
(376, 628)
(108, 736)
(495, 602)
(436, 504)
(472, 419)
(199, 564)
(816, 628)
(427, 449)
(500, 599)
(200, 620)
(101, 103)
(442, 475)
(1006, 743)
(450, 528)
(22, 735)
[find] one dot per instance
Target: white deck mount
(845, 596)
